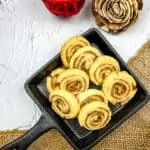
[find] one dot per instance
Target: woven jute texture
(134, 134)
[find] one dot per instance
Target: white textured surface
(30, 36)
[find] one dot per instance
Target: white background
(30, 36)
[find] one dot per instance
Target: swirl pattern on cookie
(65, 104)
(51, 81)
(119, 88)
(73, 80)
(71, 46)
(101, 68)
(94, 115)
(84, 58)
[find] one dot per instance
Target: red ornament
(64, 7)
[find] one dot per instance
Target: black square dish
(79, 138)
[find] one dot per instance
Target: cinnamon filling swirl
(84, 58)
(94, 115)
(65, 104)
(74, 81)
(70, 47)
(101, 68)
(51, 81)
(119, 88)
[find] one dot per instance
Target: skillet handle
(26, 140)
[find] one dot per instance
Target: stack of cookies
(69, 86)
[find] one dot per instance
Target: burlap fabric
(134, 134)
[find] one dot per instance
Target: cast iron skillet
(79, 138)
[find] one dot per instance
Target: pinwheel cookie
(51, 81)
(70, 47)
(73, 80)
(65, 104)
(116, 15)
(94, 113)
(119, 88)
(101, 68)
(84, 58)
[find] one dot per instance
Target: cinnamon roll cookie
(119, 88)
(65, 104)
(73, 80)
(51, 81)
(116, 15)
(71, 46)
(94, 113)
(102, 67)
(84, 58)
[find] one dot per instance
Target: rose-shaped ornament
(64, 8)
(116, 15)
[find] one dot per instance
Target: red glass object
(64, 7)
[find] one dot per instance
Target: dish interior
(79, 136)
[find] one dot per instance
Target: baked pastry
(119, 88)
(116, 15)
(71, 46)
(91, 95)
(65, 104)
(73, 80)
(51, 81)
(94, 115)
(102, 67)
(84, 58)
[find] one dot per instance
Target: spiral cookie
(101, 68)
(51, 81)
(116, 15)
(73, 80)
(71, 46)
(91, 95)
(84, 58)
(65, 104)
(94, 115)
(119, 88)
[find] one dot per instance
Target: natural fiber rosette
(71, 46)
(119, 88)
(116, 15)
(73, 80)
(91, 95)
(51, 81)
(102, 67)
(94, 115)
(84, 58)
(65, 104)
